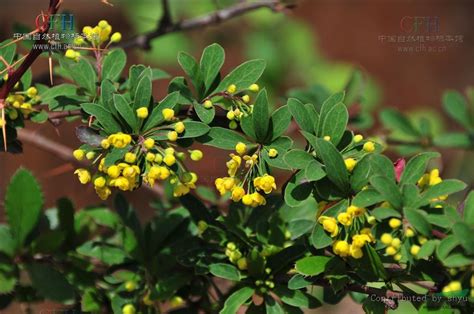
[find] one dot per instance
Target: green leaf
(126, 111)
(453, 139)
(297, 190)
(418, 221)
(445, 187)
(225, 271)
(107, 254)
(82, 73)
(204, 114)
(272, 307)
(107, 91)
(381, 213)
(50, 283)
(8, 276)
(388, 189)
(103, 116)
(456, 107)
(236, 300)
(246, 123)
(396, 121)
(416, 167)
(334, 123)
(327, 105)
(242, 76)
(23, 203)
(319, 238)
(298, 159)
(298, 281)
(464, 234)
(194, 129)
(7, 244)
(156, 116)
(143, 92)
(335, 167)
(297, 298)
(280, 121)
(446, 246)
(260, 116)
(113, 65)
(457, 260)
(312, 265)
(314, 171)
(367, 197)
(469, 209)
(114, 155)
(301, 115)
(211, 62)
(427, 249)
(191, 68)
(222, 138)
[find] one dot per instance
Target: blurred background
(311, 51)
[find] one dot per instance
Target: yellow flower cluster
(144, 160)
(341, 246)
(240, 103)
(94, 36)
(430, 179)
(393, 246)
(21, 102)
(235, 256)
(248, 175)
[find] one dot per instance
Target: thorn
(50, 61)
(4, 128)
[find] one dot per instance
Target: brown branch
(166, 26)
(64, 152)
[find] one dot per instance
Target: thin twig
(166, 26)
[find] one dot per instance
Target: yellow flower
(397, 257)
(113, 171)
(396, 243)
(31, 92)
(453, 286)
(150, 157)
(172, 136)
(369, 147)
(359, 240)
(409, 232)
(241, 148)
(355, 211)
(116, 37)
(329, 224)
(422, 240)
(250, 161)
(272, 153)
(345, 219)
(176, 301)
(434, 177)
(371, 220)
(179, 127)
(237, 193)
(103, 193)
(357, 138)
(122, 183)
(158, 158)
(327, 138)
(83, 175)
(169, 160)
(130, 158)
(356, 252)
(168, 114)
(230, 115)
(79, 154)
(233, 164)
(231, 88)
(130, 172)
(196, 155)
(390, 250)
(105, 143)
(120, 140)
(257, 199)
(246, 99)
(99, 182)
(254, 88)
(386, 238)
(130, 285)
(90, 155)
(368, 233)
(149, 143)
(242, 263)
(350, 164)
(341, 248)
(208, 104)
(394, 223)
(414, 249)
(142, 112)
(129, 309)
(180, 190)
(70, 54)
(247, 199)
(266, 183)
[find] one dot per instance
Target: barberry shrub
(346, 222)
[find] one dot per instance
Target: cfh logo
(420, 24)
(63, 22)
